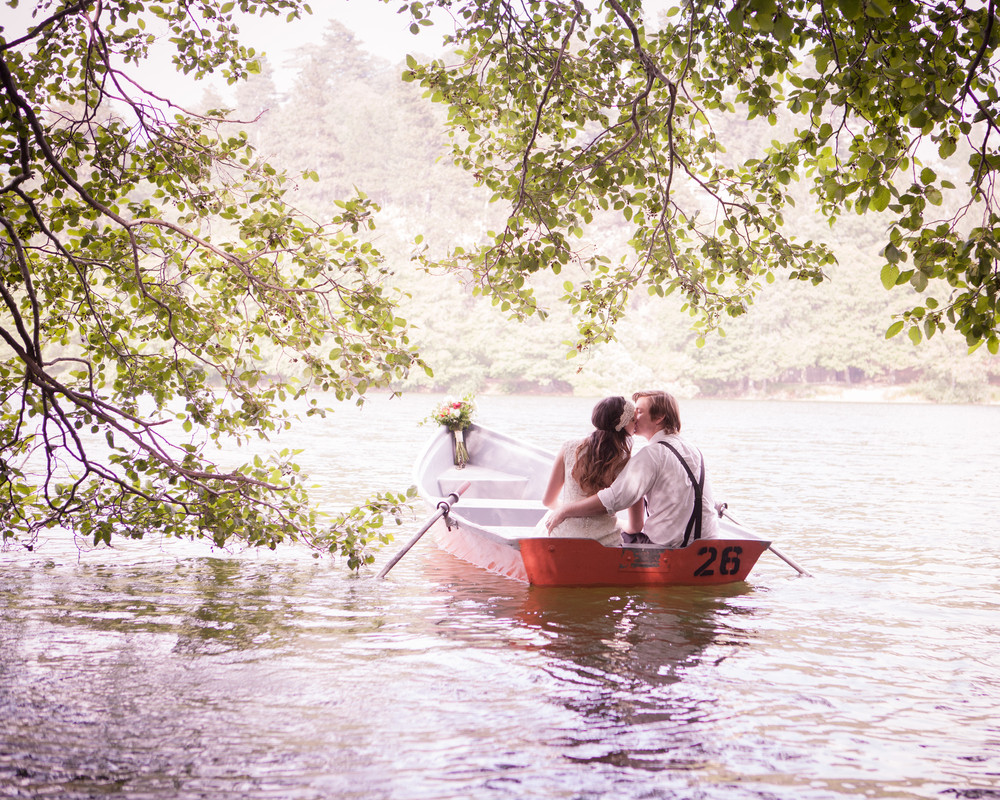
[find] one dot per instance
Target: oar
(443, 508)
(791, 562)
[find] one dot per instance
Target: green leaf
(894, 256)
(880, 198)
(889, 275)
(851, 9)
(878, 9)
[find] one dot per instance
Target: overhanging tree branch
(135, 305)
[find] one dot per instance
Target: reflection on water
(619, 660)
(171, 671)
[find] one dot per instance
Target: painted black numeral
(704, 569)
(730, 562)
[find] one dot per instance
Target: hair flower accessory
(628, 414)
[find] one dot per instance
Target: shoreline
(898, 394)
(909, 394)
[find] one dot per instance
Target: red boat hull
(584, 562)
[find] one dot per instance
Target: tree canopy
(572, 111)
(147, 256)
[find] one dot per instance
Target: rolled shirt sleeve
(632, 484)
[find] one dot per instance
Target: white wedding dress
(604, 528)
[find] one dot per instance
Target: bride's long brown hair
(603, 454)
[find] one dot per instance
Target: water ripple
(169, 670)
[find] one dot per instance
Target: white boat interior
(506, 478)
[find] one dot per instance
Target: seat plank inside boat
(492, 513)
(484, 483)
(501, 502)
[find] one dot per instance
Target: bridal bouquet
(456, 416)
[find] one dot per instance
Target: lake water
(167, 670)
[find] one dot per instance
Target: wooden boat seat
(500, 502)
(493, 512)
(485, 483)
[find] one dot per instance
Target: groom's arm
(588, 507)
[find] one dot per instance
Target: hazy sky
(377, 26)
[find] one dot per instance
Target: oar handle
(445, 505)
(443, 508)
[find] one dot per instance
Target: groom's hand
(557, 517)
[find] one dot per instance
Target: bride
(584, 466)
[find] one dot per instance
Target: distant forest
(349, 117)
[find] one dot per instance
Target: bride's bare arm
(556, 481)
(636, 517)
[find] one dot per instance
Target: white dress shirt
(655, 473)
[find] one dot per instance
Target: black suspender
(694, 523)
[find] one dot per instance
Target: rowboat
(493, 504)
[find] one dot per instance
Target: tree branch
(977, 60)
(542, 102)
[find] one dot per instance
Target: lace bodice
(604, 528)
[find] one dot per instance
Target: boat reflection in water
(619, 660)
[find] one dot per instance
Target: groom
(668, 472)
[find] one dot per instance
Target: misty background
(335, 107)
